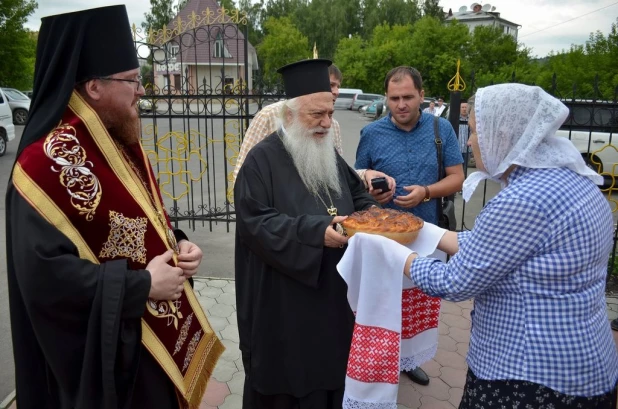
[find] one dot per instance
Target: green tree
(435, 49)
(227, 4)
(585, 71)
(255, 13)
(352, 58)
(17, 44)
(282, 44)
(325, 22)
(160, 14)
(492, 55)
(432, 8)
(180, 5)
(284, 8)
(391, 12)
(428, 45)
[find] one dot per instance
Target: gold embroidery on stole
(126, 238)
(63, 147)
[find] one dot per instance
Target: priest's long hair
(315, 159)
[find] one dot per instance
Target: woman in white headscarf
(535, 262)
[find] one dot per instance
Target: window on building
(221, 50)
(173, 51)
(177, 81)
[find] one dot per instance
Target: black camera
(380, 183)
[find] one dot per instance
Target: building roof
(468, 16)
(203, 23)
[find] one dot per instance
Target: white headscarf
(516, 125)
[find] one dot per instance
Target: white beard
(315, 159)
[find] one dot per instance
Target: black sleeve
(73, 307)
(292, 245)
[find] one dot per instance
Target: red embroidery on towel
(374, 355)
(419, 312)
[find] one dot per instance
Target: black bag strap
(438, 141)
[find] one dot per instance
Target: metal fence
(202, 88)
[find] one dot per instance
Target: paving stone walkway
(447, 370)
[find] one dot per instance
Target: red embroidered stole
(78, 180)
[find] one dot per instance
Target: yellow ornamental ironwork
(194, 20)
(457, 83)
(180, 159)
(315, 51)
(596, 164)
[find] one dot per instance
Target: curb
(204, 278)
(8, 400)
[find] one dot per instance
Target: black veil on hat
(306, 77)
(74, 47)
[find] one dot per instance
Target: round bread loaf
(396, 225)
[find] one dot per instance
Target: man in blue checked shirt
(402, 145)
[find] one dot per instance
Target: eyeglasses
(138, 81)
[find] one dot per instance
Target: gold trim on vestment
(116, 161)
(208, 349)
(43, 204)
(158, 350)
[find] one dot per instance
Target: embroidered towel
(396, 324)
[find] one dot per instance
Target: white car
(592, 126)
(598, 151)
(19, 103)
(7, 129)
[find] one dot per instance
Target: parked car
(7, 129)
(371, 110)
(424, 105)
(19, 103)
(345, 97)
(592, 126)
(145, 105)
(28, 93)
(360, 100)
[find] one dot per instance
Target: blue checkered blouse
(535, 264)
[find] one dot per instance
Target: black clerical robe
(76, 326)
(294, 320)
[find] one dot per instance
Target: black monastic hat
(306, 77)
(74, 47)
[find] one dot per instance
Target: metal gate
(203, 86)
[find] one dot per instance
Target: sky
(545, 24)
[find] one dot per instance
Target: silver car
(19, 103)
(361, 100)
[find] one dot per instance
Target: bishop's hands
(332, 238)
(166, 282)
(189, 257)
(379, 195)
(415, 196)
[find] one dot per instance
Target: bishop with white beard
(294, 320)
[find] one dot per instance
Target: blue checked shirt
(409, 157)
(536, 264)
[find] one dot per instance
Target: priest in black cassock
(102, 315)
(294, 320)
